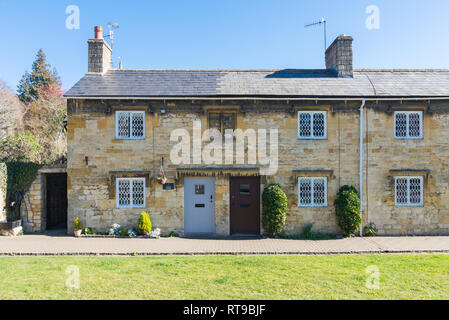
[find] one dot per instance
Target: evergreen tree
(41, 76)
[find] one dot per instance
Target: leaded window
(312, 124)
(222, 121)
(130, 192)
(130, 125)
(312, 192)
(409, 191)
(408, 125)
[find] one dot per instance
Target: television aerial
(323, 23)
(112, 27)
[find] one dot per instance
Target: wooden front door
(245, 205)
(57, 201)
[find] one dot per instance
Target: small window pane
(305, 125)
(138, 128)
(318, 125)
(123, 125)
(214, 121)
(414, 125)
(319, 192)
(401, 191)
(305, 192)
(138, 193)
(124, 193)
(228, 121)
(199, 189)
(245, 189)
(401, 125)
(415, 191)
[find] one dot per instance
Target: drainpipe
(361, 165)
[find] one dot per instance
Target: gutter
(258, 98)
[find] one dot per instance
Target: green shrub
(370, 230)
(144, 223)
(306, 231)
(274, 209)
(87, 231)
(347, 207)
(123, 232)
(173, 235)
(78, 225)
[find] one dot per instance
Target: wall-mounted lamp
(86, 159)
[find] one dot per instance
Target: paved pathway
(52, 245)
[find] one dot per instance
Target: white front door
(199, 205)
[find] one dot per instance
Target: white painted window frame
(312, 204)
(408, 204)
(407, 137)
(131, 181)
(312, 137)
(131, 137)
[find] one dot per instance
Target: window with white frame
(130, 125)
(130, 192)
(312, 124)
(409, 191)
(408, 125)
(312, 192)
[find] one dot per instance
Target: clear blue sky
(211, 34)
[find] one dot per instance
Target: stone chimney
(339, 56)
(99, 53)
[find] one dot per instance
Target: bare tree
(11, 112)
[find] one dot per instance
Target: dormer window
(130, 125)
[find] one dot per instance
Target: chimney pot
(98, 32)
(99, 53)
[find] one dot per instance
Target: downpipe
(361, 166)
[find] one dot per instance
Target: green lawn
(226, 277)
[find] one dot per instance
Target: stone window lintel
(314, 173)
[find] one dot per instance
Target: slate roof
(262, 83)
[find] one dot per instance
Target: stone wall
(34, 206)
(91, 133)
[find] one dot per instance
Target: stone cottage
(133, 145)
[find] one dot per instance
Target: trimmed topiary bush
(77, 225)
(347, 207)
(144, 223)
(274, 209)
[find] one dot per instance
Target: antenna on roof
(321, 22)
(112, 27)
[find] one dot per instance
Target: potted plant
(78, 227)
